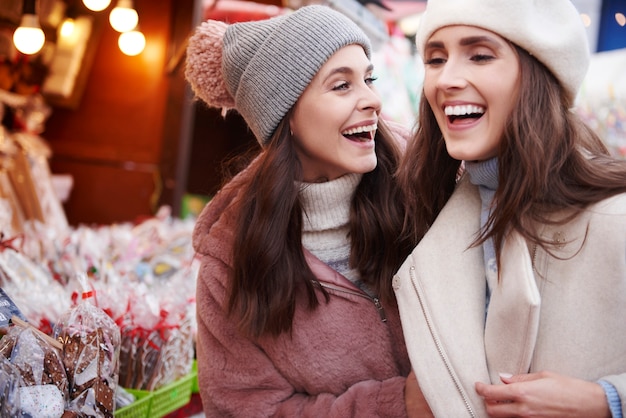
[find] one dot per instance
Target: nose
(450, 76)
(370, 99)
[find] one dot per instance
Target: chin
(368, 169)
(461, 155)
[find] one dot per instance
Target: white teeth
(360, 129)
(463, 110)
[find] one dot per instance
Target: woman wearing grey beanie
(296, 314)
(514, 301)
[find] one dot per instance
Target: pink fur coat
(341, 360)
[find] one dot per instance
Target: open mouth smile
(463, 112)
(361, 133)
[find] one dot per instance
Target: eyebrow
(347, 70)
(470, 40)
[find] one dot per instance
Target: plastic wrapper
(153, 358)
(42, 385)
(123, 398)
(41, 299)
(91, 342)
(10, 382)
(142, 276)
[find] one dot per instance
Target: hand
(416, 405)
(544, 394)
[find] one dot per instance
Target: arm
(238, 378)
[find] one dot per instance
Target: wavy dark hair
(270, 273)
(549, 160)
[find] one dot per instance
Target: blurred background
(96, 89)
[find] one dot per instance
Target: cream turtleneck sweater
(326, 213)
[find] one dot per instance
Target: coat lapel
(513, 316)
(441, 292)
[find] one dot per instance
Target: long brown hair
(270, 271)
(549, 160)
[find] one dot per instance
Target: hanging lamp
(28, 38)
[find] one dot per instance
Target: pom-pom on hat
(550, 30)
(261, 68)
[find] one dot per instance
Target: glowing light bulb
(620, 19)
(28, 38)
(132, 42)
(96, 5)
(123, 17)
(67, 27)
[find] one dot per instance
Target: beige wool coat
(566, 314)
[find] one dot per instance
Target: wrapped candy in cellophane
(154, 357)
(155, 277)
(40, 297)
(10, 383)
(36, 384)
(157, 338)
(141, 275)
(91, 342)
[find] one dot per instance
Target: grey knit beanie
(261, 68)
(550, 30)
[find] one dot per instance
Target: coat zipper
(374, 300)
(429, 324)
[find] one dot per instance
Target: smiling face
(471, 82)
(335, 119)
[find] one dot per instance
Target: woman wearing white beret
(514, 302)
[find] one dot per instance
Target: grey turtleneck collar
(483, 173)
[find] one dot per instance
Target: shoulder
(609, 214)
(614, 205)
(465, 194)
(458, 221)
(215, 227)
(603, 223)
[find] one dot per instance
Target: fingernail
(505, 375)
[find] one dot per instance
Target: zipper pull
(381, 310)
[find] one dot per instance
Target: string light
(67, 27)
(123, 17)
(28, 38)
(132, 42)
(96, 5)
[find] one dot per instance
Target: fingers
(506, 377)
(492, 393)
(498, 400)
(505, 392)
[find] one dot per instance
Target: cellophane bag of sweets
(91, 347)
(42, 385)
(10, 382)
